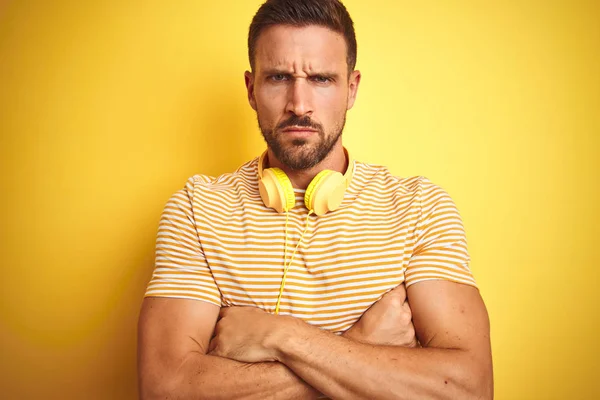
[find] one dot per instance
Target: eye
(321, 79)
(278, 77)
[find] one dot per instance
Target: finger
(406, 308)
(223, 312)
(399, 290)
(218, 327)
(398, 294)
(215, 331)
(212, 346)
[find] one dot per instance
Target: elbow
(486, 387)
(470, 378)
(157, 387)
(472, 389)
(483, 391)
(479, 383)
(153, 392)
(485, 382)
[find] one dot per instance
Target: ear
(249, 78)
(353, 83)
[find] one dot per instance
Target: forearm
(210, 377)
(341, 368)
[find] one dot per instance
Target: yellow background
(107, 107)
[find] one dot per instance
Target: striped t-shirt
(217, 242)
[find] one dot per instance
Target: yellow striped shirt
(218, 243)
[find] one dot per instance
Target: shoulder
(379, 176)
(244, 178)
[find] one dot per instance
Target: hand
(245, 334)
(387, 322)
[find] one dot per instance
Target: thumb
(398, 291)
(212, 346)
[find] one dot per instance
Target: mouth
(299, 129)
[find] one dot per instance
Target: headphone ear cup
(276, 190)
(326, 192)
(287, 188)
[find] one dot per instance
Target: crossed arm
(173, 339)
(282, 357)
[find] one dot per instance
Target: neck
(335, 161)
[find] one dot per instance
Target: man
(255, 296)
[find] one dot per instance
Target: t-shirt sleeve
(181, 269)
(440, 251)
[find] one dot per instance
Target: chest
(339, 264)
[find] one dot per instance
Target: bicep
(169, 329)
(450, 315)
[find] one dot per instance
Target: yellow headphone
(324, 193)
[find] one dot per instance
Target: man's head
(302, 56)
(327, 13)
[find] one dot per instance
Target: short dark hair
(331, 14)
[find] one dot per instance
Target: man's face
(301, 91)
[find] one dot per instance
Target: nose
(300, 101)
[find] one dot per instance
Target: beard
(302, 154)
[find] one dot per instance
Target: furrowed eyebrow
(328, 75)
(275, 71)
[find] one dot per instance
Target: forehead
(307, 48)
